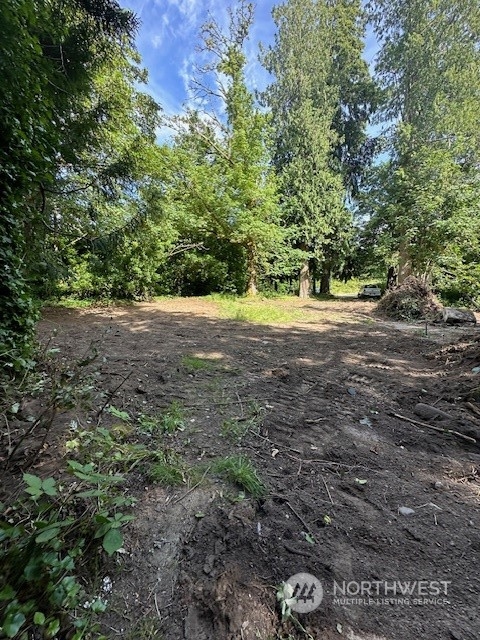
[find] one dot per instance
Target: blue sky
(169, 33)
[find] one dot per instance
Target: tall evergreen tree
(321, 99)
(429, 68)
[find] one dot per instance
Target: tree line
(280, 190)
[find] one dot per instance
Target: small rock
(352, 391)
(209, 562)
(458, 316)
(438, 485)
(406, 511)
(427, 412)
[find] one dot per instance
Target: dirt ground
(317, 398)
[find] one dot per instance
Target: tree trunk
(404, 262)
(251, 271)
(304, 280)
(325, 279)
(391, 278)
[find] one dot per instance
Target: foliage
(225, 184)
(51, 50)
(428, 190)
(31, 405)
(320, 100)
(240, 471)
(45, 539)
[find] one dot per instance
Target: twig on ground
(307, 528)
(240, 402)
(156, 606)
(430, 426)
(473, 408)
(328, 491)
(192, 488)
(110, 396)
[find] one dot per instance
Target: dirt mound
(412, 300)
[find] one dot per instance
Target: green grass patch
(145, 629)
(169, 472)
(239, 471)
(353, 286)
(237, 428)
(87, 303)
(173, 419)
(195, 363)
(258, 310)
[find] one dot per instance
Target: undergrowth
(48, 535)
(239, 471)
(58, 530)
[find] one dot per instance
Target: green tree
(320, 100)
(429, 69)
(231, 186)
(101, 194)
(49, 52)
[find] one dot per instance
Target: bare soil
(318, 398)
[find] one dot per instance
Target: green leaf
(47, 534)
(39, 618)
(112, 541)
(12, 624)
(7, 593)
(33, 482)
(33, 570)
(98, 606)
(123, 415)
(49, 487)
(360, 481)
(309, 538)
(53, 627)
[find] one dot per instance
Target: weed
(237, 428)
(174, 418)
(110, 450)
(286, 598)
(56, 385)
(194, 363)
(145, 629)
(44, 539)
(167, 473)
(149, 425)
(240, 471)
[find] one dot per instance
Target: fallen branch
(430, 426)
(307, 528)
(328, 491)
(473, 408)
(195, 486)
